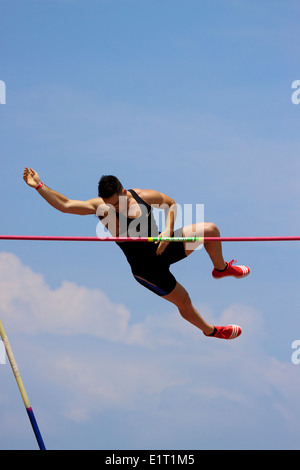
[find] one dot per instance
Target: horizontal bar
(147, 239)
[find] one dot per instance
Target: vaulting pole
(21, 388)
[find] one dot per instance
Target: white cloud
(32, 307)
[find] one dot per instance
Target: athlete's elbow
(70, 208)
(62, 209)
(59, 207)
(66, 208)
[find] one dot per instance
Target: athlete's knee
(179, 297)
(184, 302)
(211, 230)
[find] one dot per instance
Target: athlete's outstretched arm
(57, 200)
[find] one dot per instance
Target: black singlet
(149, 269)
(139, 253)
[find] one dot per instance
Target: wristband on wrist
(39, 186)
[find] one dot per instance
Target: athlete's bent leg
(214, 248)
(180, 297)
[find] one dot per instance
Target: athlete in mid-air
(123, 212)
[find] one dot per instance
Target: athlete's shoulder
(96, 202)
(151, 196)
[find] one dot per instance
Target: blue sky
(192, 98)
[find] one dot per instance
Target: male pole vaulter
(149, 262)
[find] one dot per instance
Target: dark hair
(108, 186)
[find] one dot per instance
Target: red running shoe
(236, 271)
(226, 332)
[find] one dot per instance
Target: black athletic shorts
(155, 273)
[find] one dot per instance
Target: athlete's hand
(162, 245)
(31, 177)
